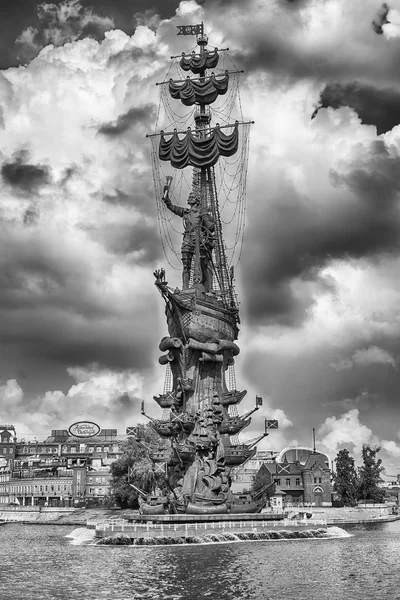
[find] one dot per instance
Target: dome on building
(299, 454)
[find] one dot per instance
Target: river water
(39, 563)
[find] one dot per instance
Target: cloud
(296, 234)
(318, 278)
(149, 18)
(381, 19)
(129, 119)
(59, 23)
(374, 106)
(365, 357)
(110, 398)
(391, 27)
(373, 355)
(23, 175)
(346, 430)
(77, 260)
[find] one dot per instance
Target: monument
(193, 170)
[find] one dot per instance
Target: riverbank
(79, 517)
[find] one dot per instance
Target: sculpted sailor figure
(198, 232)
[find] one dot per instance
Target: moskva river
(39, 562)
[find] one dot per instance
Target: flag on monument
(259, 401)
(190, 29)
(271, 424)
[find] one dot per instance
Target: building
(303, 476)
(62, 470)
(243, 477)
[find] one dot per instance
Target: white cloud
(392, 29)
(345, 430)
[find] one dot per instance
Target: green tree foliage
(346, 482)
(135, 467)
(263, 479)
(370, 475)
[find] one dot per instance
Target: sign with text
(84, 429)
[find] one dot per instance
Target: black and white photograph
(199, 299)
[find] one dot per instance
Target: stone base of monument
(168, 529)
(205, 518)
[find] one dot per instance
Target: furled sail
(198, 62)
(198, 151)
(202, 92)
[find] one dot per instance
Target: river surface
(39, 563)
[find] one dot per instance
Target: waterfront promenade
(80, 517)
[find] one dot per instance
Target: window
(73, 449)
(315, 480)
(106, 449)
(91, 449)
(288, 482)
(297, 481)
(320, 480)
(278, 481)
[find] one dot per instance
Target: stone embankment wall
(58, 516)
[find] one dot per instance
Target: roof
(301, 454)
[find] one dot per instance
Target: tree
(370, 475)
(135, 467)
(346, 482)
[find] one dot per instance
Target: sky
(80, 318)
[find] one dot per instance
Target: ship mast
(202, 317)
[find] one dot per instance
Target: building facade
(302, 476)
(62, 470)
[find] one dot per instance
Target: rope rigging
(226, 191)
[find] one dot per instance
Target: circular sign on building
(84, 429)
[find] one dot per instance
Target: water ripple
(39, 563)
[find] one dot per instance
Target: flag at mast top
(191, 29)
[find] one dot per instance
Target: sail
(198, 151)
(201, 92)
(198, 62)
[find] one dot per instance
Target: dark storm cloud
(127, 402)
(59, 23)
(137, 115)
(380, 107)
(285, 47)
(140, 239)
(52, 308)
(294, 239)
(24, 175)
(380, 19)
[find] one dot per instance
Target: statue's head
(193, 199)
